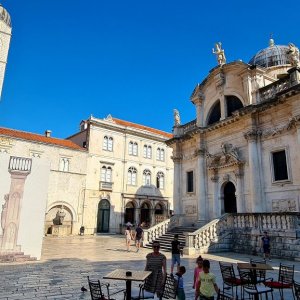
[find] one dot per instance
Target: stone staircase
(6, 257)
(166, 239)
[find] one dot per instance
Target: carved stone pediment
(229, 156)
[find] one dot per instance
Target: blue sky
(135, 60)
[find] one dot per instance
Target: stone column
(177, 201)
(198, 100)
(223, 106)
(202, 187)
(19, 168)
(254, 171)
(240, 200)
(216, 203)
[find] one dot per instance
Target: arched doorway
(129, 213)
(229, 198)
(145, 214)
(103, 216)
(159, 213)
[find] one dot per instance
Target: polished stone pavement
(66, 262)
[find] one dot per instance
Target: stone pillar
(240, 200)
(254, 171)
(198, 101)
(223, 106)
(248, 88)
(216, 203)
(202, 187)
(177, 159)
(19, 168)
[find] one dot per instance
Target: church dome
(274, 55)
(4, 16)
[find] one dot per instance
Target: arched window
(132, 148)
(147, 151)
(146, 177)
(160, 154)
(64, 164)
(215, 114)
(106, 173)
(160, 180)
(233, 103)
(131, 176)
(108, 143)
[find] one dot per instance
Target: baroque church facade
(241, 153)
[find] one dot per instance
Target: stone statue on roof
(176, 118)
(293, 54)
(220, 54)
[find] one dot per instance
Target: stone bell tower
(5, 35)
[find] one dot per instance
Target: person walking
(265, 244)
(176, 251)
(180, 287)
(207, 283)
(128, 237)
(197, 270)
(156, 262)
(139, 235)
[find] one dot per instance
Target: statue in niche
(176, 118)
(60, 215)
(293, 54)
(220, 54)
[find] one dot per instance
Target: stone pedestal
(60, 230)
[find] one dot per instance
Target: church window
(280, 169)
(190, 181)
(146, 177)
(147, 153)
(233, 103)
(131, 176)
(133, 148)
(215, 114)
(160, 180)
(108, 143)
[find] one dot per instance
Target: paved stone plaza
(67, 261)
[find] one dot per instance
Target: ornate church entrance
(229, 198)
(103, 216)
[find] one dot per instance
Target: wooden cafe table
(120, 274)
(255, 267)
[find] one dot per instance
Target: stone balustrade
(156, 231)
(242, 233)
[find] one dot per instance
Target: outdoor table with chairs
(128, 276)
(252, 279)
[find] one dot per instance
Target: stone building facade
(241, 153)
(129, 174)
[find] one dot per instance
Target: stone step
(166, 239)
(15, 257)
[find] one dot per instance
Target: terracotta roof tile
(38, 138)
(156, 131)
